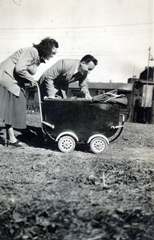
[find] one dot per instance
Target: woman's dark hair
(45, 47)
(88, 58)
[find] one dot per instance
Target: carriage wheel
(66, 144)
(98, 145)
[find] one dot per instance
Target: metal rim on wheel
(98, 145)
(66, 144)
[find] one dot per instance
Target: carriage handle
(119, 126)
(39, 96)
(119, 130)
(40, 102)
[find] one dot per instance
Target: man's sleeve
(50, 75)
(84, 86)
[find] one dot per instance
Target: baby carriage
(95, 122)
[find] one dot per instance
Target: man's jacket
(60, 75)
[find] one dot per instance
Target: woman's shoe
(14, 144)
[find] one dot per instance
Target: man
(55, 81)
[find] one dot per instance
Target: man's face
(86, 68)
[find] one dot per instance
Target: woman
(14, 72)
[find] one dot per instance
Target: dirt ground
(46, 194)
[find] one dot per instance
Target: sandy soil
(46, 194)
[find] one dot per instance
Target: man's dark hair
(88, 58)
(45, 47)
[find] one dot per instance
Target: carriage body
(81, 120)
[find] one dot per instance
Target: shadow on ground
(34, 137)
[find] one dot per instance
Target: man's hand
(51, 97)
(88, 96)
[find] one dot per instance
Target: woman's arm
(27, 64)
